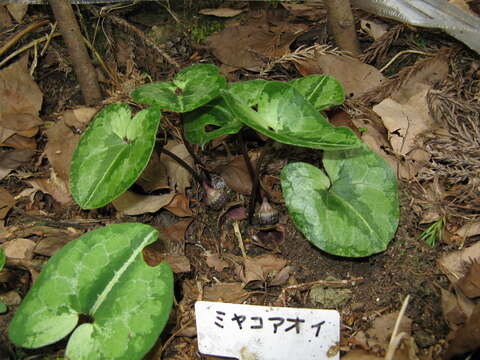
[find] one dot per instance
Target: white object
(267, 333)
(438, 14)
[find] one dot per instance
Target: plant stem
(253, 177)
(189, 148)
(183, 164)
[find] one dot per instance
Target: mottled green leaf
(209, 122)
(112, 154)
(191, 88)
(322, 91)
(282, 113)
(354, 211)
(101, 274)
(215, 119)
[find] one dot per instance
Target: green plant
(349, 209)
(434, 232)
(102, 277)
(356, 196)
(3, 259)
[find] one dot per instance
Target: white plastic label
(267, 333)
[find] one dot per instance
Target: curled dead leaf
(225, 292)
(7, 201)
(356, 77)
(179, 206)
(215, 261)
(131, 203)
(19, 248)
(178, 176)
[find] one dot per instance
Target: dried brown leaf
(236, 176)
(281, 278)
(221, 12)
(7, 201)
(61, 145)
(174, 236)
(154, 177)
(19, 248)
(17, 11)
(374, 28)
(215, 261)
(470, 283)
(382, 329)
(20, 97)
(179, 206)
(471, 228)
(310, 11)
(453, 265)
(356, 77)
(179, 177)
(131, 203)
(79, 118)
(405, 121)
(53, 239)
(225, 292)
(178, 263)
(13, 159)
(19, 122)
(20, 142)
(261, 268)
(467, 337)
(452, 312)
(252, 46)
(53, 186)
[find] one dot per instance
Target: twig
(61, 224)
(20, 34)
(82, 65)
(317, 282)
(28, 46)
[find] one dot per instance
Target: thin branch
(82, 65)
(342, 25)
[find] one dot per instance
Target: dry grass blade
(397, 338)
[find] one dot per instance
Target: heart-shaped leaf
(322, 91)
(209, 122)
(354, 211)
(191, 88)
(282, 113)
(215, 119)
(101, 274)
(112, 154)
